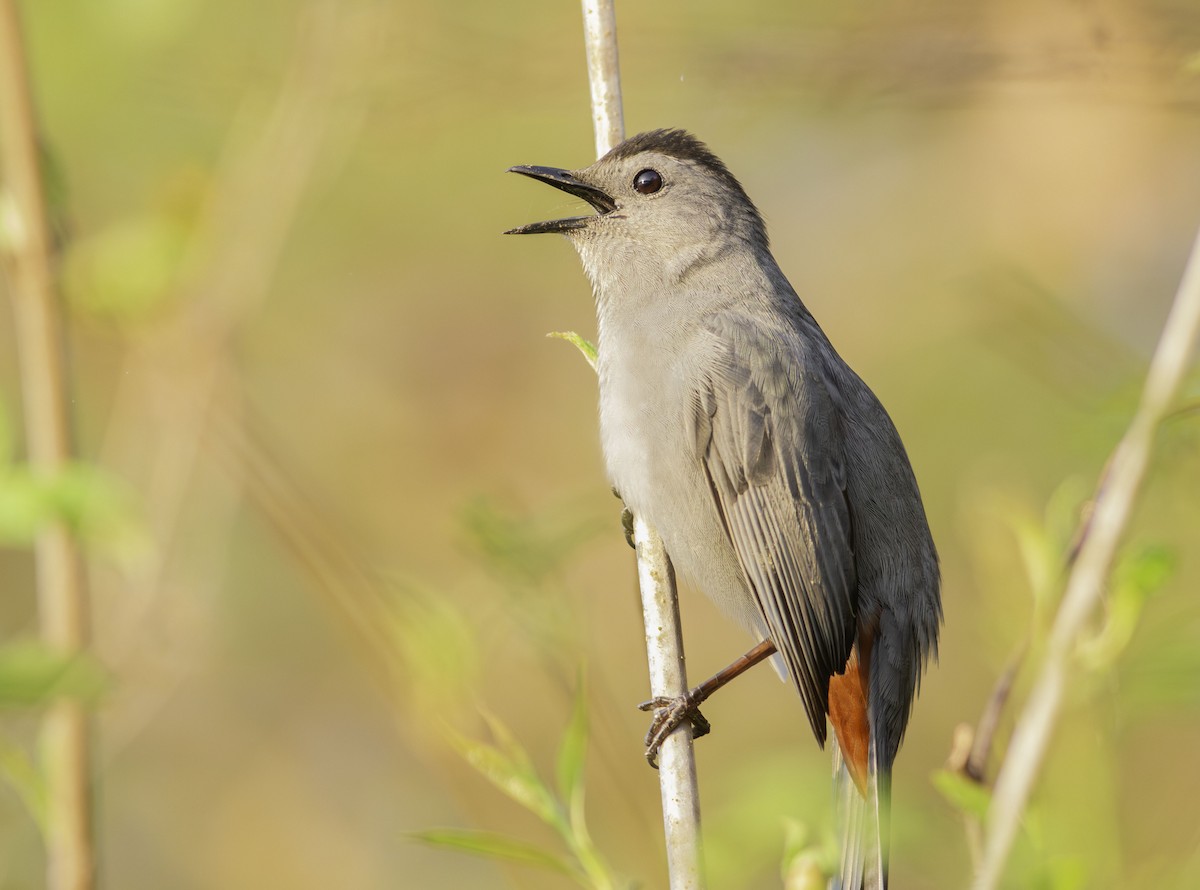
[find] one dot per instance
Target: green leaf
(1064, 873)
(587, 347)
(963, 793)
(90, 500)
(32, 674)
(507, 742)
(126, 271)
(6, 437)
(93, 503)
(496, 846)
(511, 544)
(1147, 570)
(807, 863)
(1040, 556)
(437, 645)
(573, 747)
(571, 759)
(524, 549)
(25, 508)
(508, 768)
(19, 769)
(1135, 580)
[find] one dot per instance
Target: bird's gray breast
(648, 386)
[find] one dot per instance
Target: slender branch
(604, 73)
(62, 607)
(1109, 517)
(975, 765)
(971, 746)
(660, 602)
(668, 679)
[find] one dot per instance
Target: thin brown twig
(971, 746)
(975, 767)
(1184, 410)
(62, 601)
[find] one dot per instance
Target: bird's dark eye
(647, 182)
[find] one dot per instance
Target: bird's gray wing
(769, 437)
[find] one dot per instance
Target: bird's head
(661, 199)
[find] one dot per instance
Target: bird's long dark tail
(863, 822)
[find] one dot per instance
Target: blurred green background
(350, 495)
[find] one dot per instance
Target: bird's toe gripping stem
(669, 715)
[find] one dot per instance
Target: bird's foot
(669, 715)
(626, 520)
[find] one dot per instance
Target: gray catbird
(774, 476)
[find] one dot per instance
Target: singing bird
(775, 477)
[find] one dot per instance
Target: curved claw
(627, 524)
(669, 715)
(626, 519)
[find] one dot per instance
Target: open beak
(565, 180)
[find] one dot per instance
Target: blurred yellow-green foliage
(340, 493)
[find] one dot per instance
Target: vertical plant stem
(668, 677)
(40, 344)
(1085, 585)
(604, 73)
(656, 577)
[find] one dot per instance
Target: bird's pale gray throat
(566, 181)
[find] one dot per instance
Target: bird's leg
(670, 713)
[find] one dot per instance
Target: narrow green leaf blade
(587, 347)
(496, 846)
(1137, 578)
(23, 775)
(963, 794)
(32, 674)
(511, 772)
(572, 750)
(96, 505)
(24, 507)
